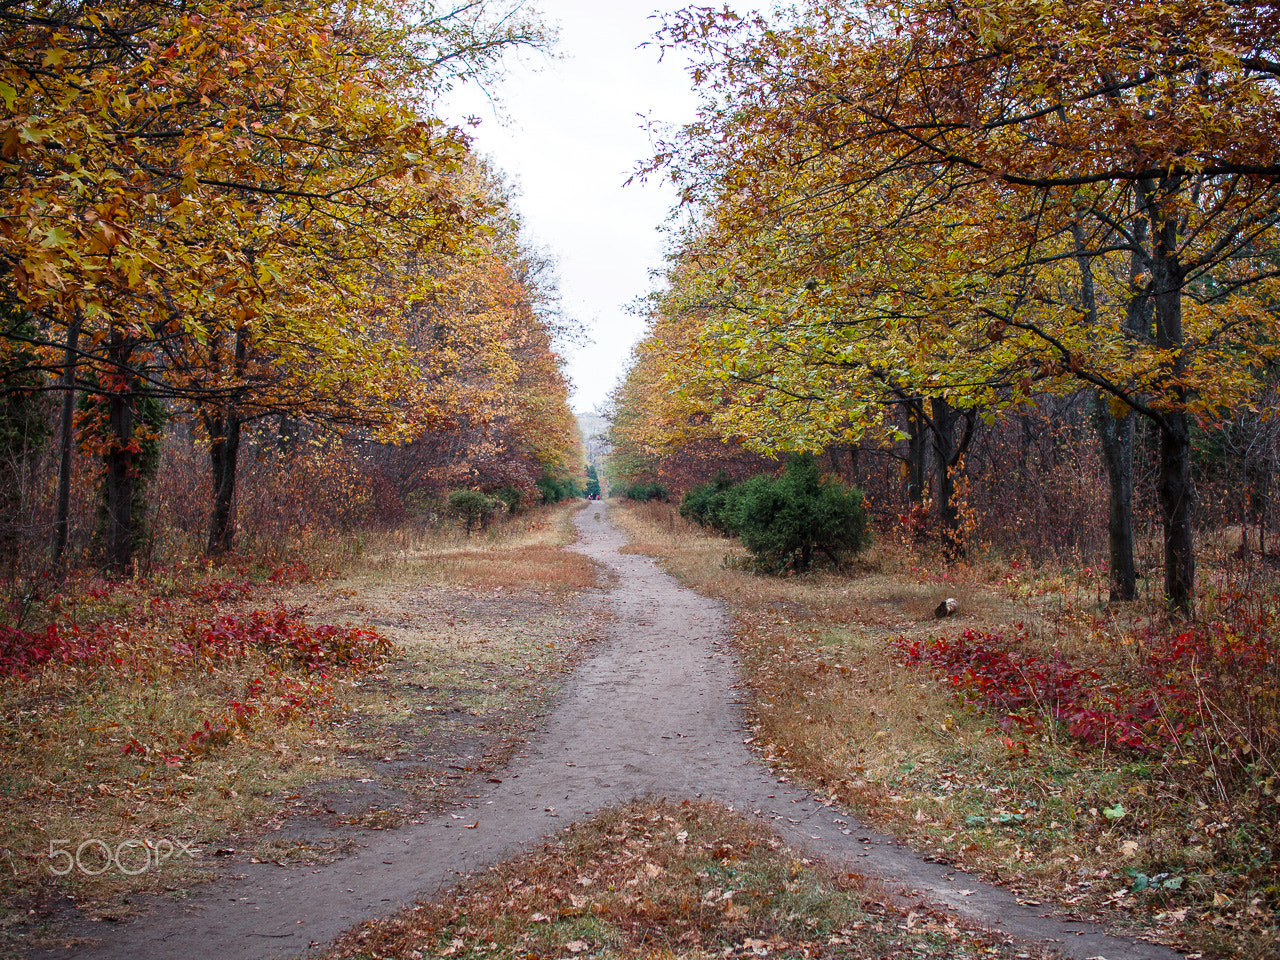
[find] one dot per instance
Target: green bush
(473, 508)
(510, 497)
(712, 505)
(786, 520)
(644, 492)
(555, 489)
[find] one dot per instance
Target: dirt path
(651, 713)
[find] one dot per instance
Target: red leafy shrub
(22, 653)
(221, 591)
(1227, 676)
(289, 637)
(1205, 696)
(1027, 691)
(277, 696)
(281, 635)
(293, 571)
(289, 663)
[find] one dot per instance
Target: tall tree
(216, 179)
(977, 148)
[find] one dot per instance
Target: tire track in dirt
(653, 712)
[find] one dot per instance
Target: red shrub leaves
(1027, 691)
(284, 636)
(1203, 701)
(221, 591)
(22, 653)
(294, 571)
(1209, 693)
(288, 637)
(279, 666)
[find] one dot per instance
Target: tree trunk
(917, 451)
(1177, 511)
(1175, 485)
(1115, 434)
(948, 453)
(62, 515)
(224, 449)
(119, 534)
(1116, 439)
(1258, 490)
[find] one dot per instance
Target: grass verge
(1000, 743)
(659, 879)
(155, 730)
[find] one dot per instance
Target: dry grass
(482, 631)
(1101, 833)
(108, 752)
(522, 553)
(657, 879)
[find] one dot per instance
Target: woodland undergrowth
(660, 879)
(1104, 758)
(145, 721)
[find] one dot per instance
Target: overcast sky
(572, 131)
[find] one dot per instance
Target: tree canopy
(976, 203)
(249, 207)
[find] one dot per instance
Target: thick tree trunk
(1174, 485)
(224, 449)
(944, 419)
(1177, 511)
(917, 451)
(67, 444)
(1116, 439)
(119, 534)
(224, 426)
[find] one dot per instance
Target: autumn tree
(1002, 198)
(193, 197)
(493, 411)
(662, 415)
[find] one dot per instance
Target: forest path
(652, 713)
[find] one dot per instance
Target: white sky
(569, 134)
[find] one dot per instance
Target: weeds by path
(1088, 758)
(155, 731)
(660, 879)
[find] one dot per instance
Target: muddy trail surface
(654, 712)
